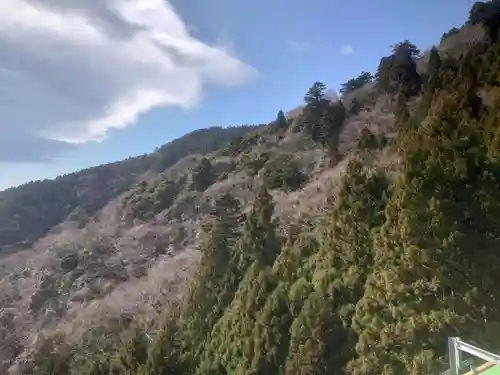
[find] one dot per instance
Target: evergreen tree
(356, 83)
(202, 176)
(434, 64)
(284, 173)
(260, 225)
(281, 120)
(52, 358)
(323, 119)
(215, 282)
(316, 338)
(256, 251)
(433, 70)
(271, 334)
(132, 354)
(293, 261)
(331, 126)
(405, 49)
(237, 324)
(432, 82)
(367, 140)
(315, 95)
(398, 72)
(167, 353)
(99, 364)
(401, 111)
(322, 340)
(487, 14)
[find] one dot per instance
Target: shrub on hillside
(256, 163)
(149, 199)
(369, 141)
(284, 173)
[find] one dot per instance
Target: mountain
(353, 237)
(29, 211)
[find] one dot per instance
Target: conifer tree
(99, 364)
(401, 111)
(281, 120)
(202, 176)
(487, 14)
(432, 82)
(293, 261)
(323, 119)
(316, 342)
(132, 354)
(397, 73)
(322, 340)
(434, 65)
(270, 334)
(167, 353)
(315, 95)
(256, 251)
(367, 140)
(213, 286)
(259, 241)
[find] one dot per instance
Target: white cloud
(71, 70)
(346, 50)
(298, 46)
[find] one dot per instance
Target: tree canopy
(486, 14)
(356, 83)
(397, 73)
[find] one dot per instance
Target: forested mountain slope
(27, 212)
(369, 276)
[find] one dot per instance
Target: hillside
(28, 212)
(350, 236)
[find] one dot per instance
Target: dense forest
(400, 262)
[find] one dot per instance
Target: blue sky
(290, 44)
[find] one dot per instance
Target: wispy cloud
(298, 46)
(72, 70)
(346, 50)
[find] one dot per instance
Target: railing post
(455, 356)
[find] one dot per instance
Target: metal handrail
(455, 349)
